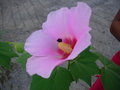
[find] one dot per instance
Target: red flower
(98, 84)
(116, 58)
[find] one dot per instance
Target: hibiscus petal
(40, 44)
(66, 23)
(57, 23)
(79, 19)
(82, 43)
(42, 66)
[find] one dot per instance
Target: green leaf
(19, 47)
(7, 50)
(103, 59)
(23, 59)
(6, 53)
(60, 79)
(5, 61)
(111, 77)
(84, 66)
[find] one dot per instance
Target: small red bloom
(116, 58)
(98, 84)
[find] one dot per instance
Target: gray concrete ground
(19, 18)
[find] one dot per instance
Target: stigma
(66, 48)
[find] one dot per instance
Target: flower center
(66, 48)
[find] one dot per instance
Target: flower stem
(69, 65)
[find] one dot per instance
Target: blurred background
(19, 18)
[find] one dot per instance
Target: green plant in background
(6, 54)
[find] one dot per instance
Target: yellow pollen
(65, 47)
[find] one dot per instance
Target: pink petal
(66, 23)
(40, 44)
(79, 19)
(82, 43)
(42, 66)
(57, 23)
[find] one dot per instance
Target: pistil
(66, 48)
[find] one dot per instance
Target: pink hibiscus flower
(98, 84)
(63, 36)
